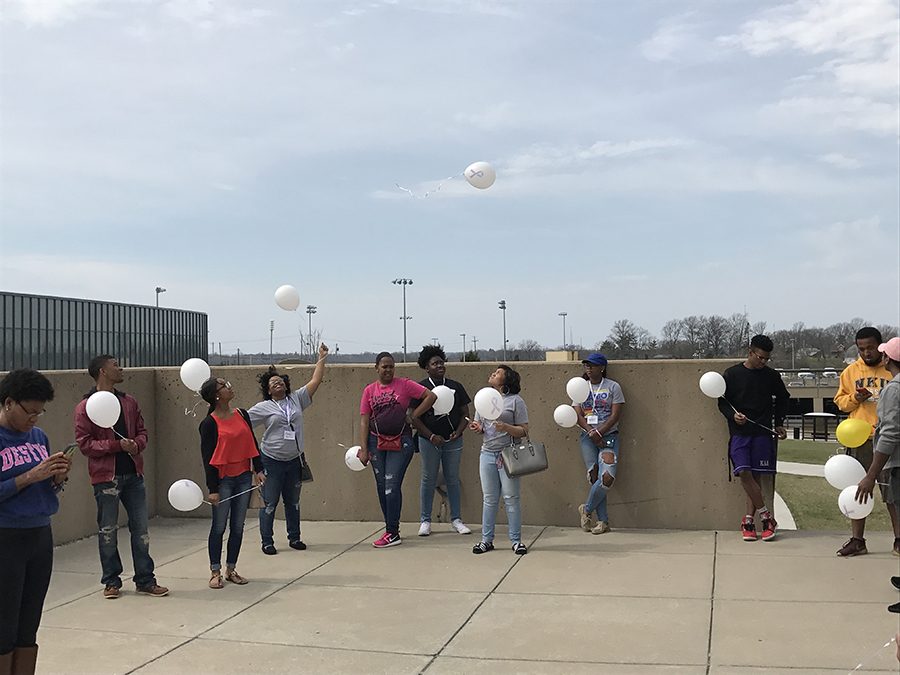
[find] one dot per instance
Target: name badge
(593, 419)
(289, 435)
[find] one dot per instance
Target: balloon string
(437, 189)
(874, 654)
(748, 419)
(255, 487)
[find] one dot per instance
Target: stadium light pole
(159, 289)
(502, 305)
(310, 310)
(564, 315)
(403, 283)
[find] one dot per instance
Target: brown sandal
(235, 578)
(215, 580)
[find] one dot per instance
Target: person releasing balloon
(282, 449)
(440, 439)
(598, 417)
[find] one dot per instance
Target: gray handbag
(524, 457)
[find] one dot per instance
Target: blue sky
(654, 160)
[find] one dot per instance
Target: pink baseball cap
(891, 348)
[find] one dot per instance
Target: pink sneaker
(387, 540)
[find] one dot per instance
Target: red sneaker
(748, 529)
(387, 540)
(769, 527)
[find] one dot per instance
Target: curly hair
(511, 380)
(25, 384)
(264, 377)
(429, 352)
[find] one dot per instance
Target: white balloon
(185, 495)
(287, 297)
(565, 416)
(194, 372)
(842, 471)
(103, 408)
(446, 397)
(850, 507)
(712, 384)
(489, 403)
(480, 175)
(578, 389)
(351, 460)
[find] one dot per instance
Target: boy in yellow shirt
(857, 395)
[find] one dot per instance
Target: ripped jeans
(128, 489)
(593, 456)
(389, 467)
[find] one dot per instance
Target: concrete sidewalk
(623, 602)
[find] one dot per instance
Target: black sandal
(519, 548)
(482, 547)
(269, 549)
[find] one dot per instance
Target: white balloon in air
(480, 175)
(288, 298)
(194, 372)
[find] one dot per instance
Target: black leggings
(26, 561)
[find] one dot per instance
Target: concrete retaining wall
(673, 469)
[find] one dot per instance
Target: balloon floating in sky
(287, 298)
(480, 175)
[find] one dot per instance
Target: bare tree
(530, 350)
(715, 331)
(692, 328)
(624, 336)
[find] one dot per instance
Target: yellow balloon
(852, 433)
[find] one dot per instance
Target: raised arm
(318, 372)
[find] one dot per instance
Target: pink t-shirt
(386, 405)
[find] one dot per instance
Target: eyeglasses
(32, 415)
(764, 359)
(223, 384)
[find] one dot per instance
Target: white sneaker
(425, 529)
(460, 527)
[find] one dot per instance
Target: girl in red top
(230, 458)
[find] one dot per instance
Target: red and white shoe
(387, 540)
(769, 527)
(748, 529)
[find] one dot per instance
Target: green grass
(807, 452)
(813, 503)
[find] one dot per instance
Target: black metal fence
(50, 333)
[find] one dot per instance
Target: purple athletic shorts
(756, 453)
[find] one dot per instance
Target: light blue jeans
(495, 482)
(433, 457)
(596, 499)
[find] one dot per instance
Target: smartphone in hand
(70, 450)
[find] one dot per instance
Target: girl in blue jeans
(440, 440)
(498, 434)
(598, 417)
(230, 458)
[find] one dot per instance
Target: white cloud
(826, 247)
(824, 114)
(47, 13)
(840, 161)
(559, 158)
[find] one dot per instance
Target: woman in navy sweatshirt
(30, 477)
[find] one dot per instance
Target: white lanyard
(595, 394)
(433, 385)
(287, 411)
